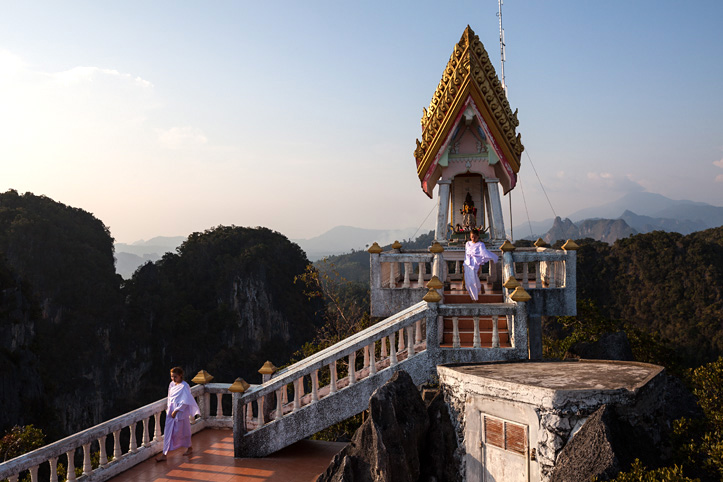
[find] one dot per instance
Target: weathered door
(504, 450)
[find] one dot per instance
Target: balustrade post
(103, 459)
(366, 357)
(392, 350)
(392, 275)
(422, 272)
(279, 403)
(410, 346)
(87, 466)
(477, 342)
(157, 427)
(117, 453)
(418, 331)
(538, 276)
(375, 266)
(297, 398)
(352, 368)
(383, 352)
(285, 394)
(250, 411)
(455, 332)
(407, 274)
(400, 345)
(315, 385)
(332, 370)
(146, 439)
(70, 473)
(134, 443)
(13, 478)
(372, 360)
(495, 332)
(260, 408)
(206, 405)
(33, 473)
(219, 405)
(526, 275)
(53, 469)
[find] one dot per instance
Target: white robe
(475, 255)
(178, 430)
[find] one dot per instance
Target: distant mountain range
(130, 256)
(343, 239)
(639, 212)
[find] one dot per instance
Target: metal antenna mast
(502, 44)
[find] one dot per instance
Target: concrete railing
(141, 428)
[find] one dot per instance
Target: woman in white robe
(475, 255)
(180, 408)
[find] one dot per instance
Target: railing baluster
(34, 474)
(366, 357)
(552, 274)
(392, 350)
(510, 331)
(372, 360)
(260, 408)
(455, 332)
(70, 474)
(117, 454)
(526, 275)
(315, 385)
(134, 443)
(495, 332)
(53, 469)
(146, 437)
(157, 427)
(219, 405)
(410, 346)
(103, 459)
(383, 352)
(420, 278)
(87, 466)
(13, 478)
(249, 412)
(400, 345)
(279, 403)
(392, 276)
(476, 343)
(538, 276)
(352, 368)
(297, 398)
(418, 336)
(285, 395)
(407, 274)
(332, 384)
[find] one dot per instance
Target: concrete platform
(517, 417)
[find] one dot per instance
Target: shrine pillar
(494, 210)
(440, 233)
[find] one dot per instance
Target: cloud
(613, 182)
(718, 163)
(181, 137)
(719, 178)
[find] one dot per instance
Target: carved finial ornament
(507, 246)
(570, 245)
(267, 369)
(202, 378)
(540, 243)
(397, 245)
(239, 386)
(436, 248)
(375, 248)
(511, 283)
(434, 283)
(520, 295)
(432, 296)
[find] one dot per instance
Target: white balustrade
(495, 332)
(476, 342)
(455, 332)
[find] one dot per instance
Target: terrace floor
(213, 460)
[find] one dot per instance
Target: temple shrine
(514, 413)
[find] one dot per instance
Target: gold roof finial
(507, 246)
(432, 296)
(268, 368)
(540, 243)
(397, 245)
(520, 295)
(375, 248)
(570, 245)
(239, 386)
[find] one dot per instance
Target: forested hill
(78, 346)
(666, 283)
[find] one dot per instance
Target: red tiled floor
(213, 461)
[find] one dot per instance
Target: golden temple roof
(469, 73)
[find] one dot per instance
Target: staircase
(321, 390)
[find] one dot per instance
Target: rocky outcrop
(610, 346)
(400, 441)
(607, 230)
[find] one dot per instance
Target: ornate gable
(469, 80)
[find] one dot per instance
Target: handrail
(338, 350)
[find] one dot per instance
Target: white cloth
(178, 430)
(475, 255)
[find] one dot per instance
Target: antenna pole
(502, 44)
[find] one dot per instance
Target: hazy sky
(164, 118)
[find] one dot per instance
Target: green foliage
(638, 473)
(20, 440)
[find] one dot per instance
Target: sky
(170, 117)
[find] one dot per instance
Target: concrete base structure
(513, 419)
